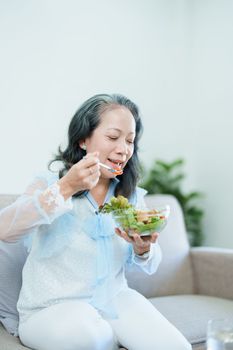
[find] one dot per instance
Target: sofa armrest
(213, 271)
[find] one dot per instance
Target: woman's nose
(122, 148)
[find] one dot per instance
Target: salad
(132, 220)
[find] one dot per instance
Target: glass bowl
(143, 222)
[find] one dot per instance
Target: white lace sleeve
(53, 202)
(40, 204)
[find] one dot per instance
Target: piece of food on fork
(115, 169)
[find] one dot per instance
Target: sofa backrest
(174, 275)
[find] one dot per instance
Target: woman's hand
(83, 175)
(141, 244)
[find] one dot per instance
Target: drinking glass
(220, 334)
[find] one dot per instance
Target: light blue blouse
(48, 242)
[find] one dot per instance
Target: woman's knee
(63, 327)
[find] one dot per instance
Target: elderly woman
(74, 294)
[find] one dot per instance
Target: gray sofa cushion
(177, 309)
(12, 259)
(7, 342)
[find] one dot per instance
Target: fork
(107, 167)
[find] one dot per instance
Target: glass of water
(220, 334)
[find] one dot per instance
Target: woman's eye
(112, 138)
(131, 142)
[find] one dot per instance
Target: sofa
(191, 286)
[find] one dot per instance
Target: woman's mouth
(117, 165)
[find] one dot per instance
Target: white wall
(173, 58)
(212, 108)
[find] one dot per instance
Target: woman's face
(113, 138)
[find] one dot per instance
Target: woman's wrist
(65, 189)
(141, 252)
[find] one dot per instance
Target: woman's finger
(93, 170)
(123, 234)
(151, 238)
(138, 240)
(90, 159)
(154, 237)
(146, 238)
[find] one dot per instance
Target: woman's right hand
(83, 175)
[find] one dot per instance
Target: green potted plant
(166, 178)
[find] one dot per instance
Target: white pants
(76, 325)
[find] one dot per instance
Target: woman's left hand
(141, 244)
